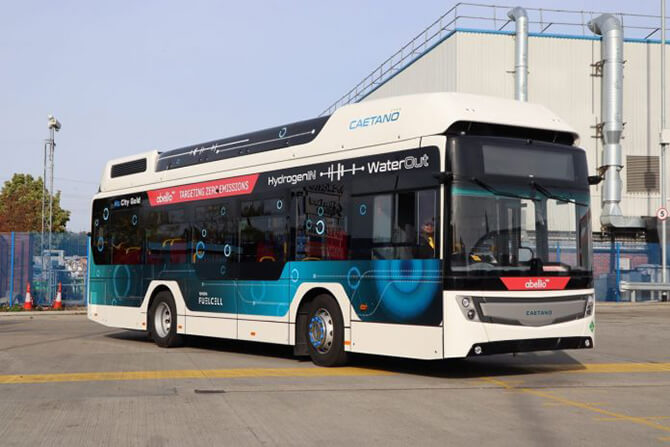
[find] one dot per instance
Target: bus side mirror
(444, 177)
(594, 179)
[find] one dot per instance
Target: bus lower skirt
(529, 345)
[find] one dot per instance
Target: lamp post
(47, 219)
(664, 135)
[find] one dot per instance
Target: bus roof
(352, 126)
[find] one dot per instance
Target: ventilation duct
(520, 17)
(611, 105)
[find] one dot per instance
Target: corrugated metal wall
(561, 78)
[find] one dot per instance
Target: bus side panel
(210, 326)
(418, 342)
(116, 316)
(265, 331)
(116, 285)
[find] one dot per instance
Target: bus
(430, 226)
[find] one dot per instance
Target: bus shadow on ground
(470, 368)
(541, 362)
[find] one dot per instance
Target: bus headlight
(468, 307)
(589, 306)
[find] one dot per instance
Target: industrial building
(474, 49)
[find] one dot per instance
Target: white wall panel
(433, 72)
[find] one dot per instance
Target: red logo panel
(535, 283)
(214, 189)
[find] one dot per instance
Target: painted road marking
(189, 374)
(557, 404)
(582, 405)
(651, 418)
(600, 368)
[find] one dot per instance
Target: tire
(324, 332)
(163, 321)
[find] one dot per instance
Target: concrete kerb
(628, 304)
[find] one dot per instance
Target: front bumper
(464, 336)
(530, 345)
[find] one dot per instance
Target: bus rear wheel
(163, 321)
(324, 332)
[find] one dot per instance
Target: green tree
(21, 206)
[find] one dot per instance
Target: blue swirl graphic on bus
(407, 289)
(200, 250)
(354, 278)
(126, 288)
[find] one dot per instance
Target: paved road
(67, 382)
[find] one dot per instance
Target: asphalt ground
(65, 381)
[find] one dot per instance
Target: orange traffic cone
(58, 304)
(28, 304)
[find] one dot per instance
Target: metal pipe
(520, 17)
(611, 48)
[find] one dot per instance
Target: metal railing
(633, 287)
(492, 18)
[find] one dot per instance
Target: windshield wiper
(496, 192)
(550, 195)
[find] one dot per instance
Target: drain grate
(210, 391)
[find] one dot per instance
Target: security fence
(629, 261)
(23, 263)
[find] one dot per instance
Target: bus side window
(321, 224)
(426, 224)
(101, 240)
(394, 225)
(126, 237)
(214, 235)
(360, 218)
(263, 230)
(168, 238)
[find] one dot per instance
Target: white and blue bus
(425, 226)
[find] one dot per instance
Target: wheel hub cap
(163, 320)
(320, 331)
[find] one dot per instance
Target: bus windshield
(518, 207)
(530, 233)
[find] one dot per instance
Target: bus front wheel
(324, 332)
(163, 321)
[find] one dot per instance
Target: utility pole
(47, 219)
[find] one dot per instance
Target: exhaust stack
(611, 105)
(520, 17)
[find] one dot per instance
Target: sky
(128, 76)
